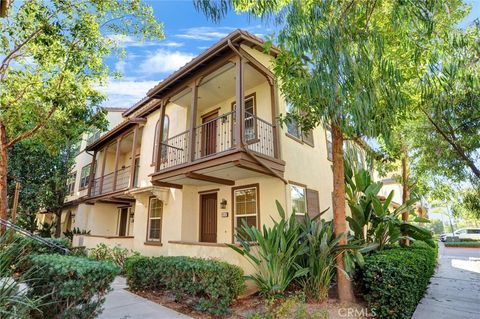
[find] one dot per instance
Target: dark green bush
(468, 244)
(395, 279)
(74, 287)
(212, 284)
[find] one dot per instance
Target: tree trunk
(405, 189)
(344, 285)
(3, 175)
(58, 224)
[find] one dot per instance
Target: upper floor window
(84, 176)
(93, 136)
(71, 183)
(328, 137)
(294, 129)
(166, 125)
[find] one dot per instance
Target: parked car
(463, 233)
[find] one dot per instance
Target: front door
(209, 134)
(208, 218)
(123, 220)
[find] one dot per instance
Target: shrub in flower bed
(74, 287)
(394, 280)
(213, 285)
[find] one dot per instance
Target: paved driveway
(454, 291)
(121, 304)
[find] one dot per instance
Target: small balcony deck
(213, 154)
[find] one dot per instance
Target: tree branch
(455, 145)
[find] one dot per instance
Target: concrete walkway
(121, 304)
(454, 291)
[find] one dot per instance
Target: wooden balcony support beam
(134, 153)
(158, 156)
(193, 118)
(216, 180)
(117, 158)
(92, 173)
(102, 173)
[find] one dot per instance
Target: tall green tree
(342, 65)
(52, 61)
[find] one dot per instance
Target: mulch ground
(246, 307)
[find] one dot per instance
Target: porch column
(274, 101)
(115, 172)
(158, 156)
(92, 170)
(102, 174)
(134, 153)
(240, 103)
(193, 117)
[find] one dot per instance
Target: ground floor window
(245, 206)
(298, 196)
(155, 215)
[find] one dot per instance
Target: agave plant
(273, 252)
(372, 221)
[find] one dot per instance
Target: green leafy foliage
(295, 250)
(117, 254)
(14, 304)
(213, 285)
(74, 287)
(395, 279)
(273, 252)
(371, 220)
(75, 231)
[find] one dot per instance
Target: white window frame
(149, 239)
(292, 188)
(236, 216)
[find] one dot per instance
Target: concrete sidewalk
(454, 291)
(121, 304)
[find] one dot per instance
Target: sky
(187, 34)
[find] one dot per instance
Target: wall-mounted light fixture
(223, 203)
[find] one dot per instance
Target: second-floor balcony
(209, 138)
(215, 137)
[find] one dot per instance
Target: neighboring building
(72, 215)
(202, 153)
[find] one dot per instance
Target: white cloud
(205, 33)
(129, 41)
(125, 93)
(120, 66)
(172, 44)
(164, 61)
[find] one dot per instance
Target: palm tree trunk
(345, 290)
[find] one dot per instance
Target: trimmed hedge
(394, 280)
(73, 287)
(467, 244)
(212, 284)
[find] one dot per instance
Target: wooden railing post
(276, 129)
(102, 174)
(115, 172)
(92, 173)
(158, 156)
(132, 166)
(193, 117)
(240, 103)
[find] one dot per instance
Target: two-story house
(201, 154)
